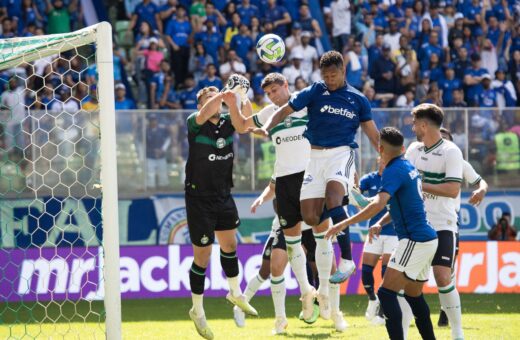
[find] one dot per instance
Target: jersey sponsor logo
(429, 196)
(212, 157)
(287, 122)
(435, 153)
(338, 111)
(424, 158)
(280, 140)
(221, 142)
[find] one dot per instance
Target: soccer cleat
(201, 325)
(342, 274)
(358, 199)
(239, 316)
(314, 317)
(280, 325)
(339, 322)
(372, 308)
(307, 300)
(241, 302)
(323, 301)
(443, 319)
(378, 321)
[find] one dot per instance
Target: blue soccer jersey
(371, 183)
(402, 182)
(334, 116)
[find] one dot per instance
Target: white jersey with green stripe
(292, 149)
(438, 164)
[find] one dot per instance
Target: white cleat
(372, 308)
(239, 316)
(378, 321)
(307, 300)
(339, 322)
(323, 301)
(241, 302)
(280, 325)
(201, 325)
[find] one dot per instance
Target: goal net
(59, 246)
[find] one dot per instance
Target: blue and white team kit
(334, 118)
(417, 238)
(387, 240)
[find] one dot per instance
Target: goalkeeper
(211, 210)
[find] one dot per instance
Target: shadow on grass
(217, 308)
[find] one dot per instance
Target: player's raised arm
(274, 120)
(210, 107)
(368, 212)
(239, 121)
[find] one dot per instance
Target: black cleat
(443, 320)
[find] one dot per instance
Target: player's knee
(311, 219)
(202, 260)
(333, 199)
(442, 277)
(228, 247)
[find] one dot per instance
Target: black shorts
(275, 242)
(447, 249)
(309, 243)
(288, 199)
(207, 214)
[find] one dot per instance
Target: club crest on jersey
(204, 239)
(221, 142)
(287, 122)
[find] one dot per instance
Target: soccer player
(335, 111)
(382, 246)
(292, 156)
(440, 163)
(410, 263)
(475, 180)
(211, 210)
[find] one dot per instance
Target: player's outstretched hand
(336, 229)
(374, 231)
(476, 197)
(229, 98)
(258, 131)
(258, 202)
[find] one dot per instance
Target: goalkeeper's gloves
(238, 84)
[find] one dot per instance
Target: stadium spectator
(383, 73)
(213, 14)
(406, 100)
(157, 143)
(356, 71)
(309, 53)
(198, 61)
(507, 146)
(188, 96)
(197, 12)
(392, 37)
(167, 11)
(374, 51)
(177, 33)
(29, 15)
(429, 48)
(458, 99)
(341, 23)
(233, 65)
(448, 83)
(295, 39)
(294, 70)
(300, 84)
(212, 41)
(473, 80)
(506, 95)
(160, 85)
(146, 11)
(278, 16)
(308, 23)
(243, 44)
(121, 101)
(423, 86)
(247, 11)
(503, 231)
(211, 78)
(229, 9)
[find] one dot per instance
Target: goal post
(58, 185)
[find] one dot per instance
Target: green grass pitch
(484, 317)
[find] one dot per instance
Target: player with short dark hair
(409, 265)
(210, 208)
(335, 112)
(440, 163)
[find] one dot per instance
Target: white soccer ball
(270, 48)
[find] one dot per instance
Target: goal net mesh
(51, 254)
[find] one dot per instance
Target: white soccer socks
(252, 286)
(324, 257)
(450, 301)
(278, 294)
(298, 262)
